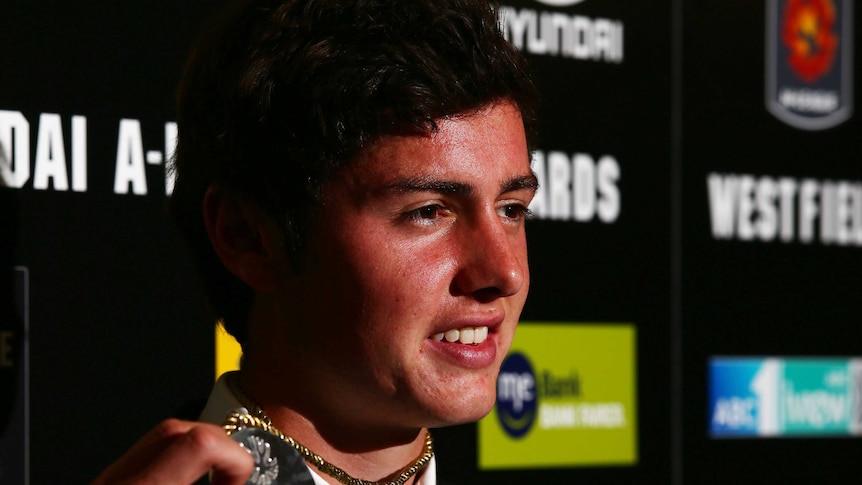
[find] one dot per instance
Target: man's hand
(180, 452)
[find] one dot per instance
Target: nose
(492, 259)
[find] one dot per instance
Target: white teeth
(466, 335)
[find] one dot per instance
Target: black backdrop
(757, 297)
(118, 333)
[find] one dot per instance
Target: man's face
(416, 274)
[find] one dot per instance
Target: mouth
(464, 335)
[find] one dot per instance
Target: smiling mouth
(466, 335)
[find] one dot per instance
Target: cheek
(407, 277)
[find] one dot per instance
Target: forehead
(489, 143)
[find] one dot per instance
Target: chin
(463, 409)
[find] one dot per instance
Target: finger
(192, 454)
(144, 451)
(177, 452)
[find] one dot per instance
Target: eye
(427, 214)
(515, 211)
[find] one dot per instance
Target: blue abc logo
(516, 395)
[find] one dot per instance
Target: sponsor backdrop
(695, 251)
(770, 162)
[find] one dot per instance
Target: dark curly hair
(278, 95)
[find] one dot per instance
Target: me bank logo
(516, 395)
(565, 397)
(809, 78)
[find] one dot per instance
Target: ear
(244, 238)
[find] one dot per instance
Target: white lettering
(79, 153)
(560, 3)
(744, 228)
(767, 222)
(608, 177)
(558, 416)
(734, 413)
(722, 204)
(809, 100)
(807, 209)
(581, 38)
(828, 206)
(584, 415)
(14, 149)
(539, 206)
(842, 213)
(746, 208)
(50, 170)
(856, 214)
(817, 409)
(515, 388)
(535, 38)
(170, 152)
(517, 23)
(130, 169)
(576, 187)
(787, 188)
(558, 34)
(560, 185)
(602, 415)
(50, 154)
(584, 187)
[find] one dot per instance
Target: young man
(353, 177)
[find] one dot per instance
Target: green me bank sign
(565, 397)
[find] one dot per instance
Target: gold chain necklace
(259, 419)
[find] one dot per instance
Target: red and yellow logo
(808, 31)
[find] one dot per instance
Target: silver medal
(275, 462)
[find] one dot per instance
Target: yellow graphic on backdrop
(566, 396)
(227, 352)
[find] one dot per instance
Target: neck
(368, 452)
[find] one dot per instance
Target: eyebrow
(430, 184)
(524, 182)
